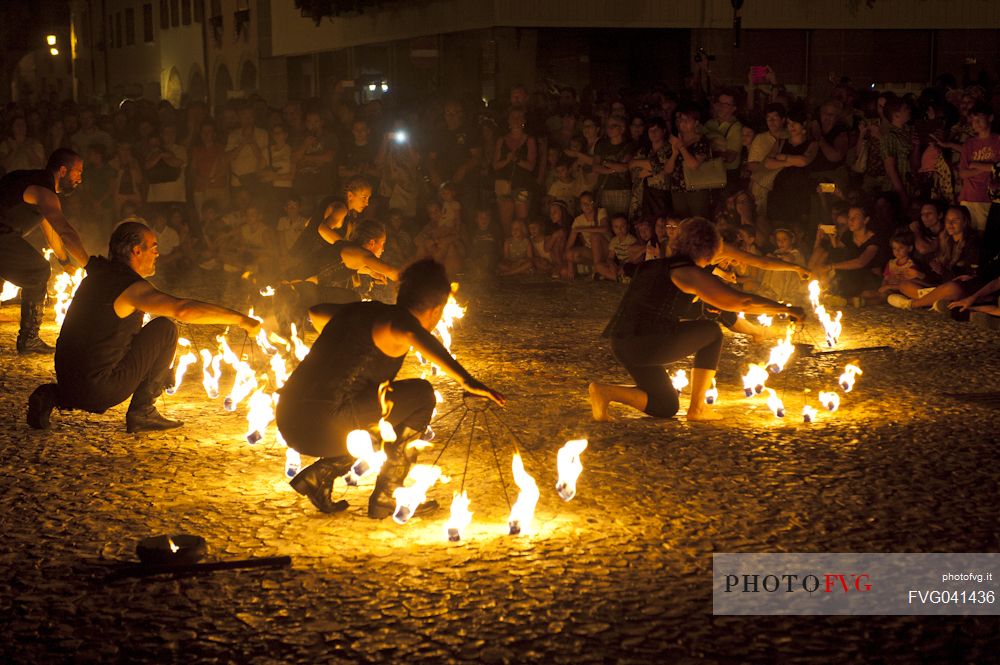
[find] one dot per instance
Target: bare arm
(359, 259)
(717, 294)
(321, 314)
(762, 262)
(51, 209)
(144, 297)
(856, 263)
(332, 230)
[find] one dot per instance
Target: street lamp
(50, 40)
(54, 51)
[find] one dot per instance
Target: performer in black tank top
(651, 328)
(27, 199)
(335, 388)
(104, 354)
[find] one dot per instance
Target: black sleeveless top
(20, 217)
(344, 362)
(653, 303)
(93, 339)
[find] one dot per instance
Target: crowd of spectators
(885, 197)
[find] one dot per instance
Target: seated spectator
(517, 252)
(587, 244)
(399, 246)
(748, 277)
(544, 251)
(957, 258)
(613, 267)
(290, 226)
(439, 240)
(451, 209)
(856, 259)
(827, 235)
(484, 248)
(927, 230)
(782, 285)
(666, 230)
(900, 268)
(646, 247)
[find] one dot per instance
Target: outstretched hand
(482, 390)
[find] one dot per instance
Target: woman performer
(648, 331)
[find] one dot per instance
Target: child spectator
(646, 249)
(612, 267)
(290, 225)
(399, 246)
(900, 267)
(517, 254)
(748, 277)
(451, 209)
(783, 285)
(979, 154)
(588, 237)
(544, 251)
(484, 249)
(564, 187)
(440, 241)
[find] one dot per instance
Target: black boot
(148, 419)
(40, 405)
(397, 465)
(31, 320)
(316, 482)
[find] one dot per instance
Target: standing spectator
(290, 226)
(292, 115)
(281, 173)
(210, 170)
(454, 153)
(788, 203)
(612, 156)
(246, 150)
(898, 154)
(89, 133)
(514, 156)
(399, 162)
(130, 184)
(165, 164)
(979, 154)
(688, 149)
(314, 161)
(20, 152)
(650, 174)
(97, 205)
(359, 155)
(725, 132)
(761, 177)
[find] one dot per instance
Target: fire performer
(335, 389)
(27, 199)
(104, 354)
(648, 331)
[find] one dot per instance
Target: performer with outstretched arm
(649, 331)
(335, 389)
(27, 199)
(104, 354)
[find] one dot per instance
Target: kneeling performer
(335, 389)
(649, 329)
(104, 354)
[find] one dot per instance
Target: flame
(65, 287)
(814, 293)
(262, 338)
(9, 292)
(243, 385)
(367, 460)
(523, 510)
(180, 368)
(279, 369)
(267, 291)
(408, 498)
(173, 546)
(48, 253)
(774, 403)
(765, 320)
(260, 413)
(830, 400)
(570, 467)
(460, 517)
(809, 414)
(451, 313)
(847, 378)
(299, 348)
(781, 352)
(831, 325)
(680, 380)
(754, 380)
(211, 370)
(712, 394)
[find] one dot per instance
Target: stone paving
(621, 574)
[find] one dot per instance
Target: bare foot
(598, 403)
(702, 414)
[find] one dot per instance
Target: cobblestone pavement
(620, 574)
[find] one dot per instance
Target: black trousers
(142, 373)
(314, 427)
(644, 357)
(23, 266)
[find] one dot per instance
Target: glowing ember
(9, 292)
(267, 291)
(774, 403)
(523, 510)
(781, 353)
(765, 320)
(847, 378)
(754, 380)
(211, 370)
(408, 498)
(680, 380)
(460, 517)
(173, 547)
(366, 459)
(830, 400)
(65, 287)
(260, 413)
(809, 414)
(570, 467)
(712, 394)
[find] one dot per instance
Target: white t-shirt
(619, 247)
(244, 162)
(581, 222)
(167, 240)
